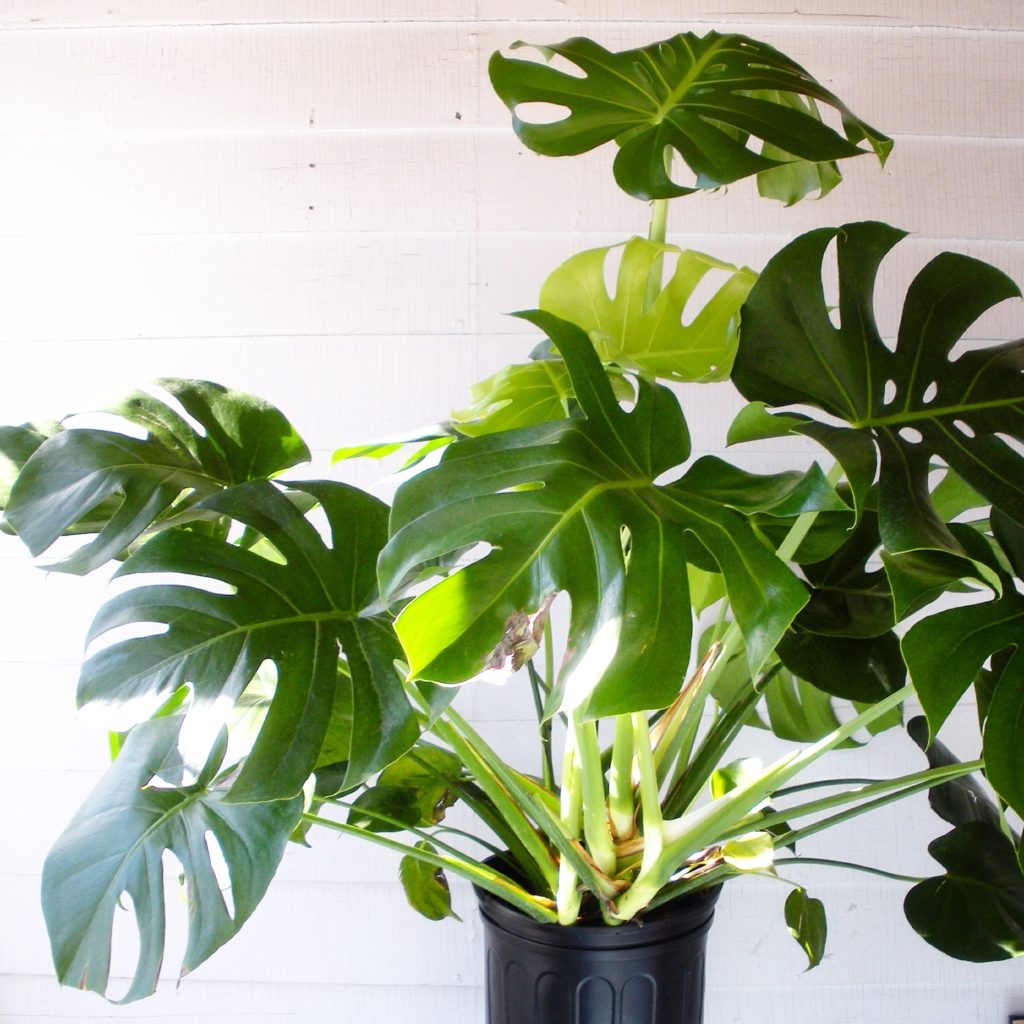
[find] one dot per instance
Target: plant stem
(543, 726)
(906, 785)
(595, 811)
(567, 891)
(621, 809)
(478, 874)
(650, 800)
(825, 862)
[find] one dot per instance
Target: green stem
(543, 726)
(478, 874)
(826, 862)
(567, 893)
(595, 809)
(905, 785)
(621, 809)
(650, 801)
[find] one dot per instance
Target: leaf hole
(626, 540)
(161, 394)
(911, 435)
(965, 428)
(542, 113)
(219, 867)
(930, 392)
(710, 284)
(889, 392)
(1012, 442)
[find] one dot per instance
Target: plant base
(637, 973)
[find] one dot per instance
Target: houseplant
(714, 589)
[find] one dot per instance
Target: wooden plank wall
(321, 201)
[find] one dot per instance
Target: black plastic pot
(635, 973)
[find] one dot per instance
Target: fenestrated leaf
(975, 911)
(121, 485)
(794, 179)
(17, 443)
(700, 97)
(806, 921)
(647, 333)
(791, 353)
(426, 887)
(554, 503)
(114, 847)
(294, 613)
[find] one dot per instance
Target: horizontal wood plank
(297, 77)
(49, 14)
(457, 179)
(235, 286)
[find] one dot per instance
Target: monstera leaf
(791, 353)
(114, 847)
(975, 911)
(572, 506)
(645, 334)
(701, 98)
(294, 613)
(521, 395)
(120, 485)
(945, 653)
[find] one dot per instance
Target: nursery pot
(649, 972)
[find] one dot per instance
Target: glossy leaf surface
(572, 506)
(806, 921)
(791, 353)
(114, 846)
(295, 614)
(236, 438)
(702, 98)
(975, 911)
(658, 335)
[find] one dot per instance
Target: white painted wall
(321, 202)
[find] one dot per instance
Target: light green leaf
(646, 331)
(114, 846)
(426, 887)
(754, 851)
(701, 98)
(805, 918)
(554, 503)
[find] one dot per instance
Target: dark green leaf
(698, 97)
(975, 911)
(557, 503)
(115, 844)
(426, 887)
(791, 353)
(959, 800)
(294, 614)
(805, 918)
(135, 482)
(863, 669)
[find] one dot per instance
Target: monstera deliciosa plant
(293, 654)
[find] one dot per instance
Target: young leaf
(649, 335)
(552, 502)
(426, 887)
(114, 846)
(701, 98)
(805, 918)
